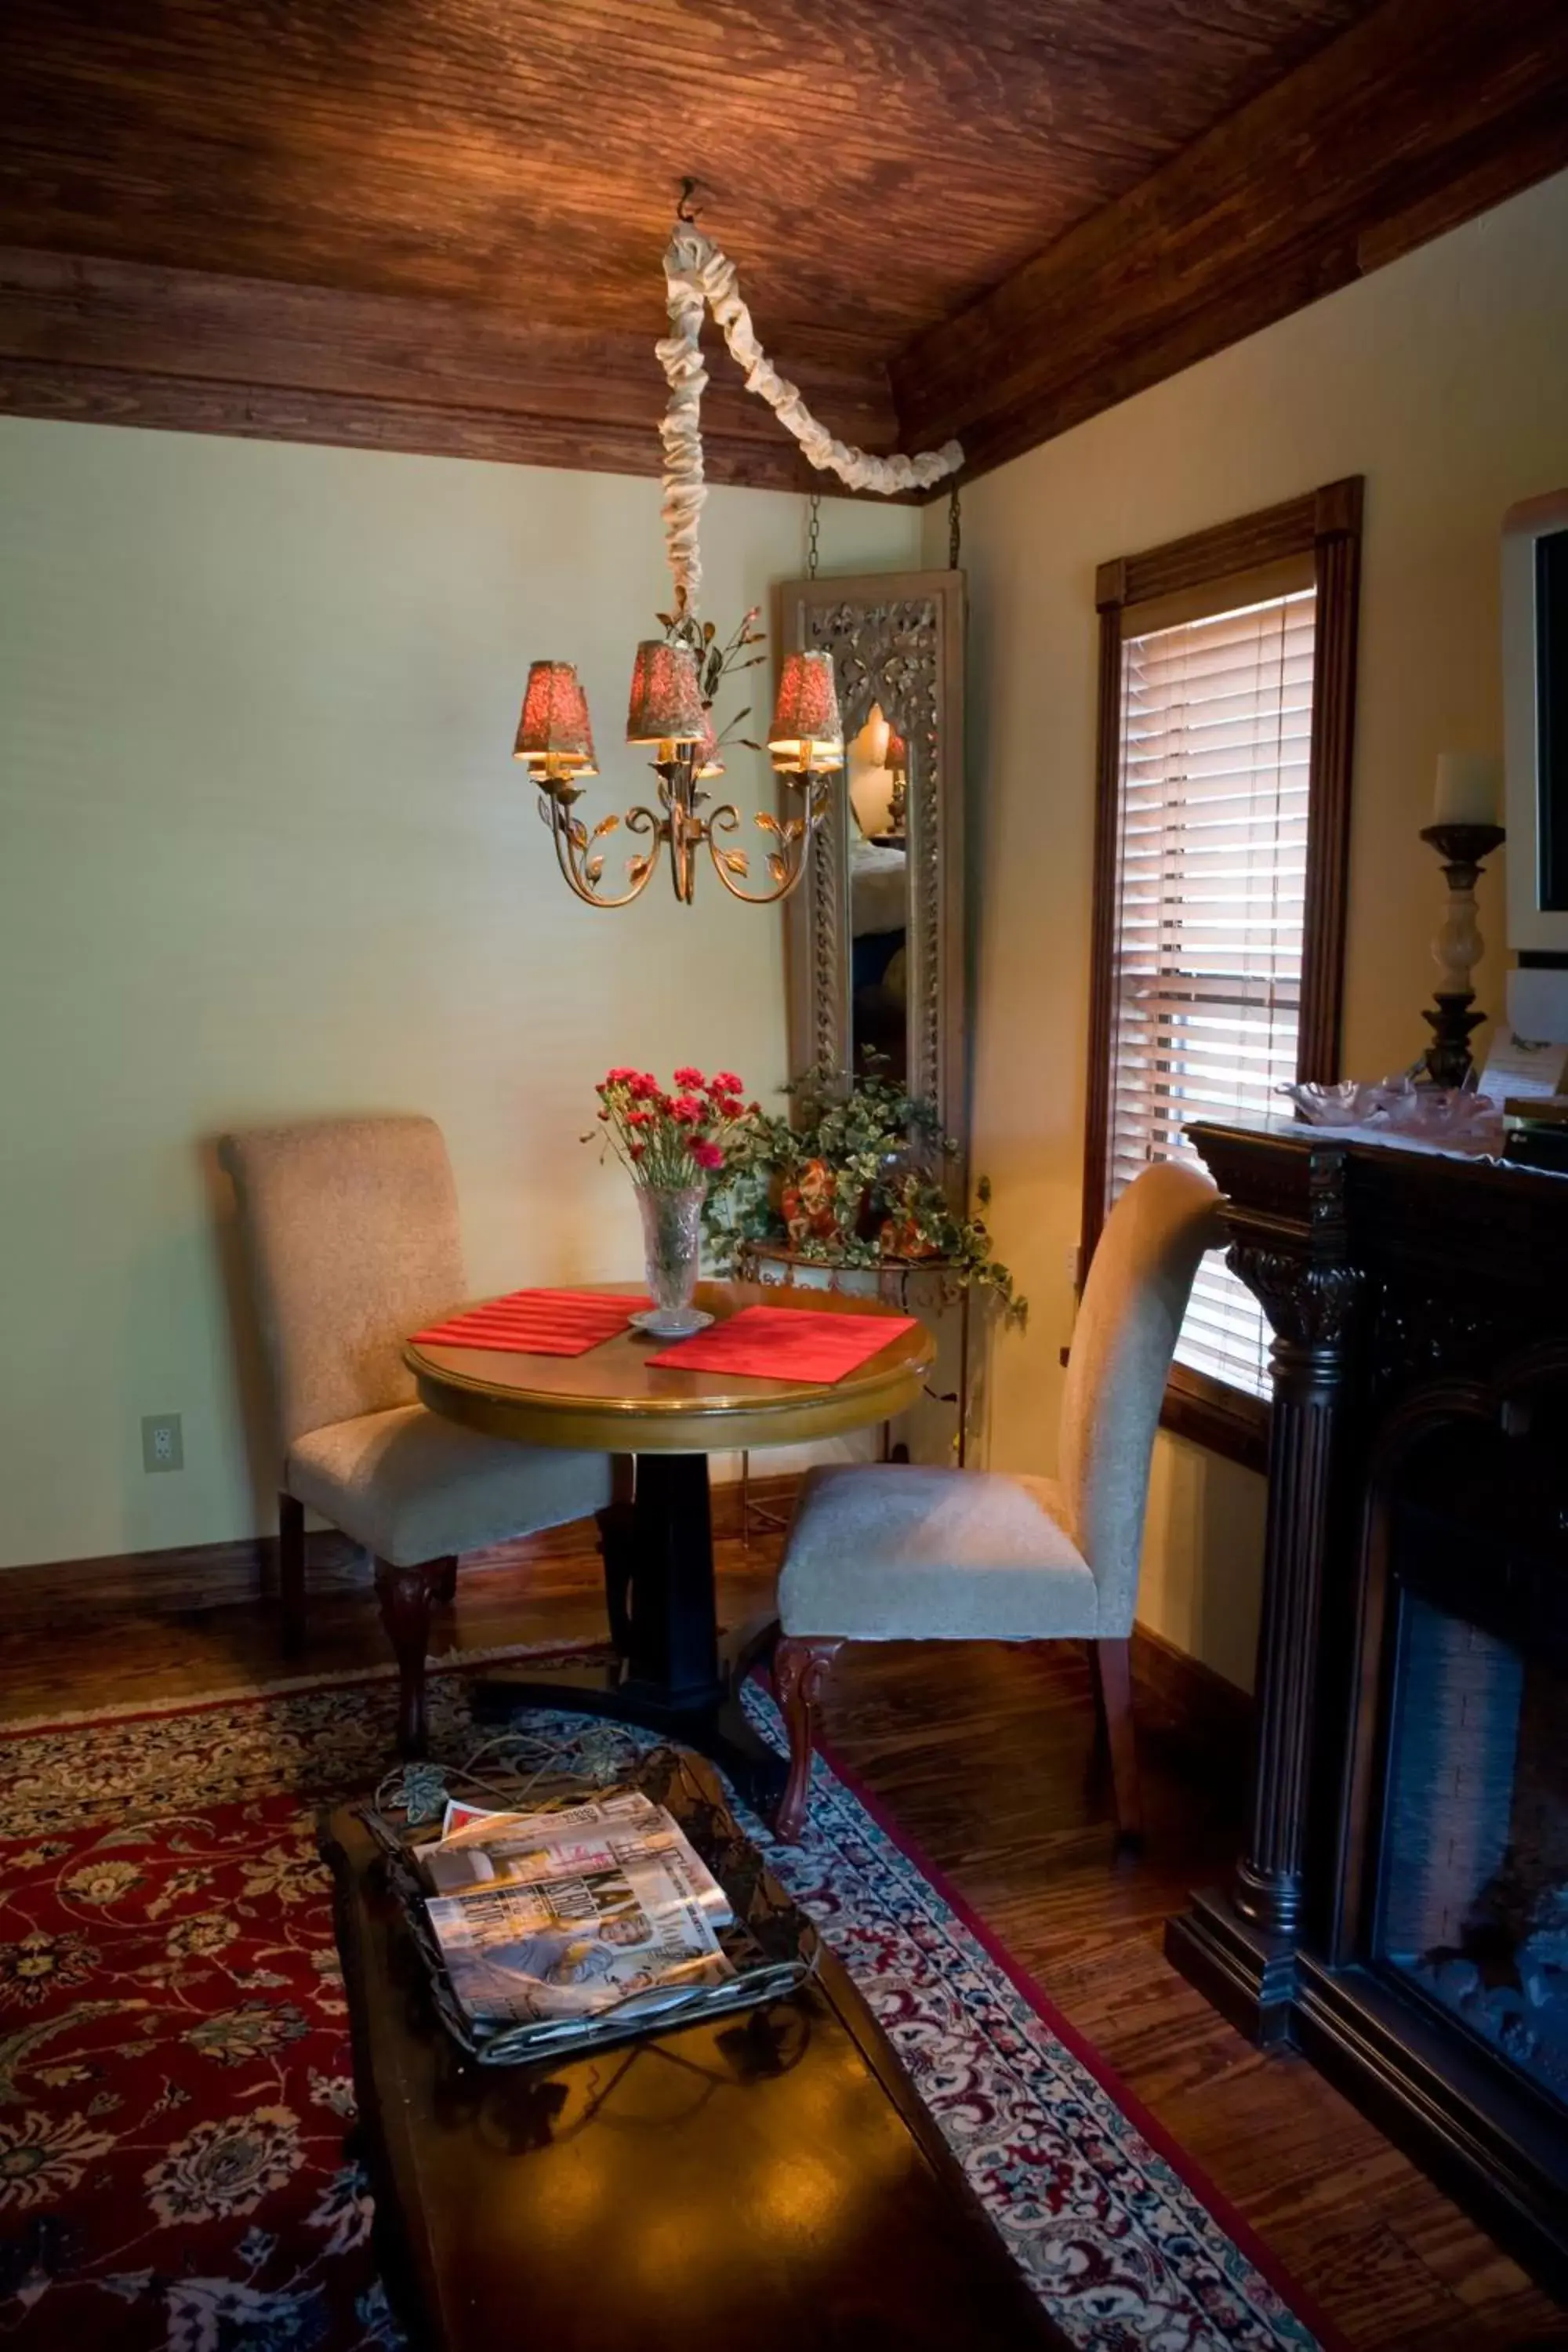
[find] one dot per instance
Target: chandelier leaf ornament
(675, 678)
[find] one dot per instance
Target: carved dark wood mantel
(1407, 1292)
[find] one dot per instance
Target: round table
(669, 1672)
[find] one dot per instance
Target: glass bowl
(1349, 1104)
(1446, 1114)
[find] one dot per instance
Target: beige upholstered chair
(350, 1229)
(890, 1553)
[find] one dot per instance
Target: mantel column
(1284, 1199)
(1309, 1301)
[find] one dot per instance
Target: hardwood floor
(986, 1757)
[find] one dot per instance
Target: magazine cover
(481, 1849)
(561, 1946)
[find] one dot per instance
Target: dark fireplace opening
(1474, 1893)
(1449, 1993)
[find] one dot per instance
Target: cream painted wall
(1444, 380)
(263, 853)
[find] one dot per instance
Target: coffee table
(668, 1674)
(767, 2181)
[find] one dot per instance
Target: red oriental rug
(177, 2166)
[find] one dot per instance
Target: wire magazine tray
(770, 1943)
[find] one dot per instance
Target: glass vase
(672, 1241)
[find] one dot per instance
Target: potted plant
(859, 1177)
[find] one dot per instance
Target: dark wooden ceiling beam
(1424, 114)
(527, 156)
(95, 395)
(125, 343)
(439, 231)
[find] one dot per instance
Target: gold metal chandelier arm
(685, 832)
(786, 864)
(580, 870)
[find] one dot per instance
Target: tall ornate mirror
(875, 933)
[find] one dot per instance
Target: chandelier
(668, 710)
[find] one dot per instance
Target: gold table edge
(669, 1425)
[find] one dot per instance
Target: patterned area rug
(176, 2100)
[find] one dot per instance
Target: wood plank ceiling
(438, 223)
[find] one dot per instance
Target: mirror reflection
(877, 766)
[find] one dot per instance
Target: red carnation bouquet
(673, 1140)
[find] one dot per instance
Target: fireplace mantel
(1411, 1294)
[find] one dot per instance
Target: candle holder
(1457, 949)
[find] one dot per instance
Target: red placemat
(786, 1343)
(537, 1323)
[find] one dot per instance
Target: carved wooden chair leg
(801, 1667)
(291, 1572)
(1112, 1663)
(445, 1588)
(405, 1595)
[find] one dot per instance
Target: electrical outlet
(162, 1446)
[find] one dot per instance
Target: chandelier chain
(814, 536)
(954, 528)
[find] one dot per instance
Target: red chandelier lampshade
(553, 736)
(806, 732)
(709, 764)
(897, 753)
(666, 704)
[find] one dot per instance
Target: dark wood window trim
(1325, 524)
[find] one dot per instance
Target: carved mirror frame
(897, 640)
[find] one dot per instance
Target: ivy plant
(864, 1166)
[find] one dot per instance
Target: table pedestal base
(668, 1676)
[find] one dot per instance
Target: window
(1216, 717)
(1223, 767)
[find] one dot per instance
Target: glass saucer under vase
(672, 1245)
(673, 1323)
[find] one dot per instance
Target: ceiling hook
(683, 211)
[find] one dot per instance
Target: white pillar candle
(1469, 788)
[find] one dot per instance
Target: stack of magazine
(550, 1920)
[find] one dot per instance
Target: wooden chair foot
(291, 1572)
(405, 1595)
(801, 1668)
(1113, 1665)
